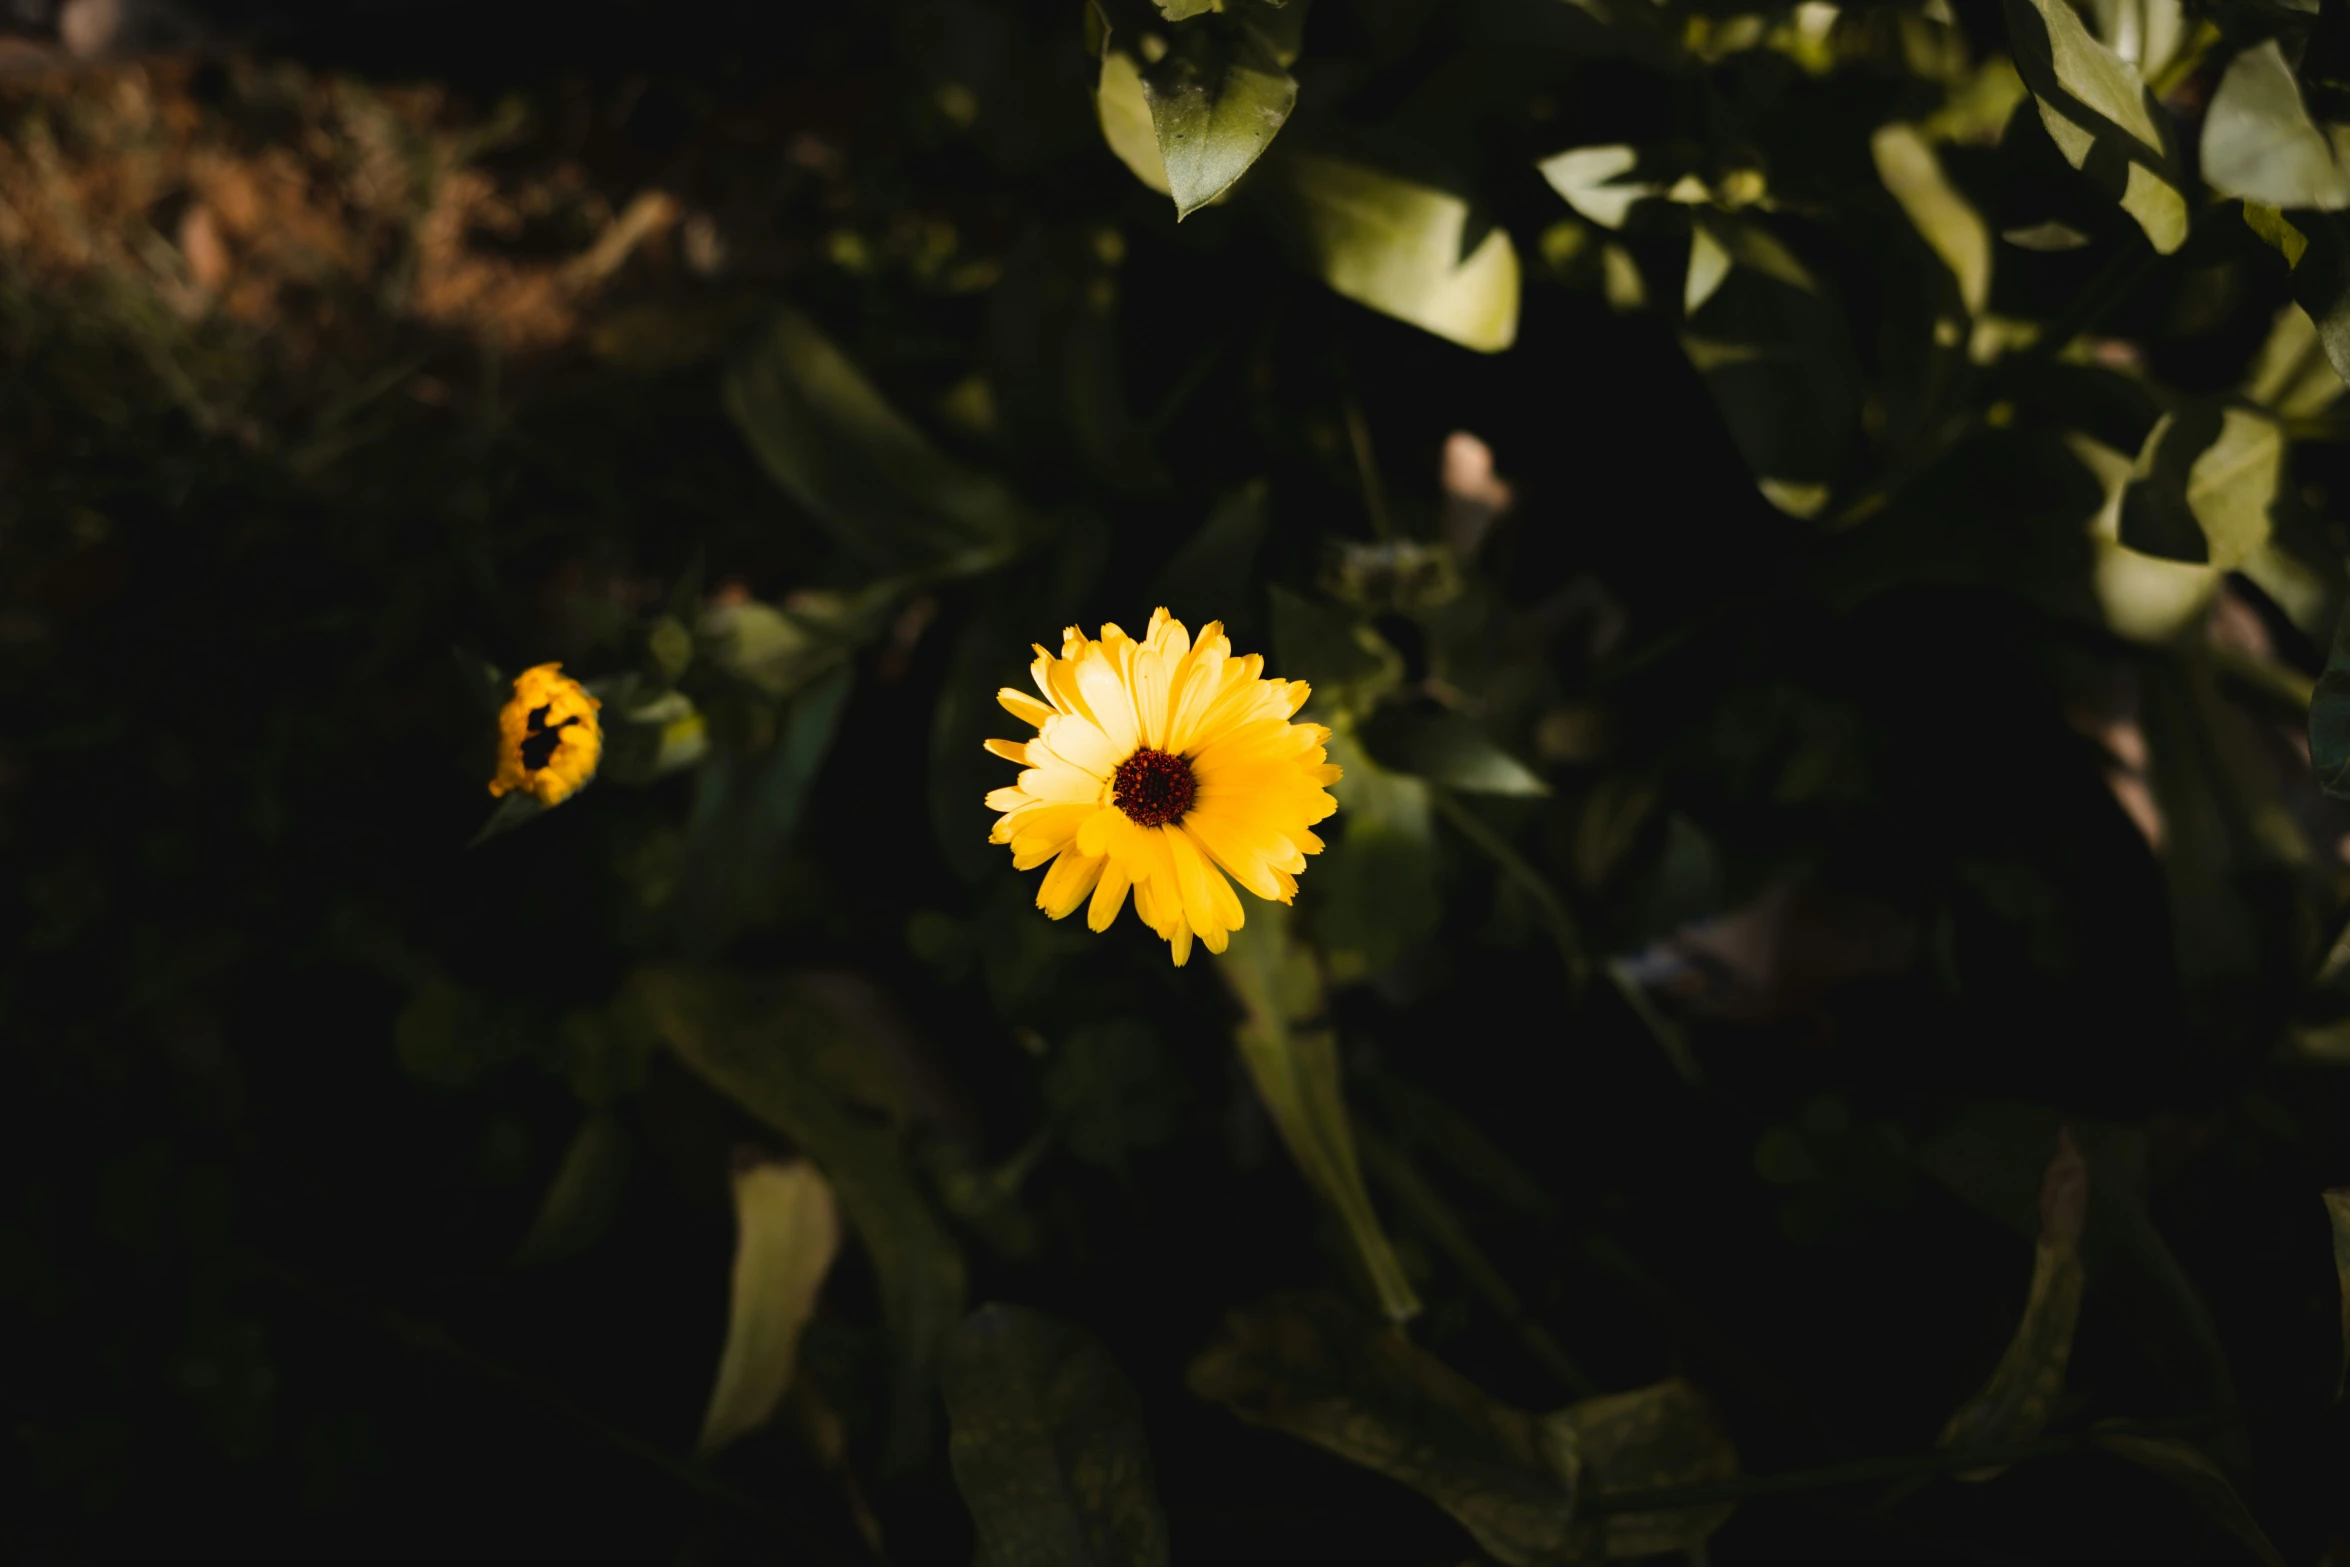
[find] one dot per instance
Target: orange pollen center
(1152, 788)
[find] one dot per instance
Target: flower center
(1152, 787)
(539, 743)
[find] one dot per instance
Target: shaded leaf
(2290, 375)
(2193, 1472)
(511, 811)
(832, 441)
(1449, 749)
(754, 1042)
(2203, 485)
(1397, 247)
(1217, 99)
(2014, 1406)
(1946, 219)
(1374, 894)
(2098, 113)
(2259, 143)
(585, 1193)
(1114, 1088)
(786, 1234)
(1666, 1434)
(1048, 1446)
(1346, 662)
(1316, 1369)
(1294, 1065)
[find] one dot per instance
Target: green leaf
(1217, 99)
(1124, 109)
(1946, 219)
(2014, 1406)
(2203, 485)
(1318, 1370)
(1292, 1057)
(1373, 893)
(2098, 113)
(2195, 1474)
(511, 811)
(1048, 1446)
(1591, 180)
(2277, 232)
(585, 1193)
(829, 438)
(2290, 376)
(1398, 247)
(2259, 143)
(755, 1041)
(1663, 1435)
(787, 1232)
(1449, 749)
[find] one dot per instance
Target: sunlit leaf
(1321, 1372)
(786, 1233)
(1048, 1446)
(1125, 113)
(2194, 1473)
(585, 1193)
(832, 441)
(753, 1041)
(1591, 181)
(2090, 98)
(1398, 247)
(2290, 375)
(1666, 1434)
(2277, 232)
(1292, 1057)
(2014, 1406)
(2258, 142)
(2203, 485)
(1945, 218)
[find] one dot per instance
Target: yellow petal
(1009, 750)
(1024, 707)
(1109, 897)
(1067, 884)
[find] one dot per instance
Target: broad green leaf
(1217, 99)
(787, 1232)
(2338, 1210)
(1590, 179)
(829, 438)
(1048, 1446)
(2090, 97)
(648, 737)
(1666, 1434)
(2203, 485)
(2290, 376)
(2194, 1473)
(1994, 1157)
(2014, 1406)
(1717, 244)
(1318, 1370)
(1949, 223)
(2277, 232)
(1448, 749)
(2321, 278)
(585, 1193)
(1373, 894)
(2258, 142)
(755, 1042)
(511, 811)
(1292, 1057)
(1125, 113)
(2143, 597)
(1397, 247)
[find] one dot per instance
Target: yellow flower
(1162, 765)
(548, 737)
